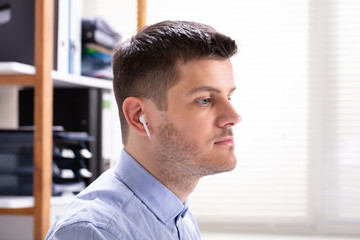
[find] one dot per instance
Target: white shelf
(13, 68)
(70, 80)
(16, 202)
(60, 79)
(28, 201)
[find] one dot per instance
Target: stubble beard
(180, 158)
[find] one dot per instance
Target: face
(194, 134)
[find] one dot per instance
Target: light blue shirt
(125, 202)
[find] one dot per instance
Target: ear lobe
(132, 108)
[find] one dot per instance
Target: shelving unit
(43, 84)
(42, 78)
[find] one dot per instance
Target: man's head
(146, 65)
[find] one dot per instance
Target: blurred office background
(298, 91)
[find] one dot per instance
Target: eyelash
(204, 101)
(207, 101)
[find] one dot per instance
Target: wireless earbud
(142, 120)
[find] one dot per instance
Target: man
(173, 83)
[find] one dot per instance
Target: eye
(204, 101)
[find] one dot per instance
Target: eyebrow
(207, 89)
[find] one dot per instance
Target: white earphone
(142, 120)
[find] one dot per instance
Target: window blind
(341, 194)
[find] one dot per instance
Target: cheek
(196, 125)
(198, 130)
(202, 123)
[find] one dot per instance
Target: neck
(181, 183)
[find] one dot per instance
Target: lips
(228, 141)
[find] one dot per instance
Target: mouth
(226, 141)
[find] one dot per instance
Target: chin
(230, 161)
(231, 166)
(227, 164)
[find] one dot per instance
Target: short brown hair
(145, 65)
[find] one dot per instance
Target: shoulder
(91, 219)
(90, 223)
(81, 230)
(94, 210)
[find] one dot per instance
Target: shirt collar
(160, 200)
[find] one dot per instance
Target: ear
(132, 108)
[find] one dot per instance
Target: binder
(17, 31)
(98, 31)
(75, 37)
(63, 36)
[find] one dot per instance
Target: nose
(228, 116)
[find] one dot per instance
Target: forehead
(204, 73)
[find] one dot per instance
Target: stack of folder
(98, 40)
